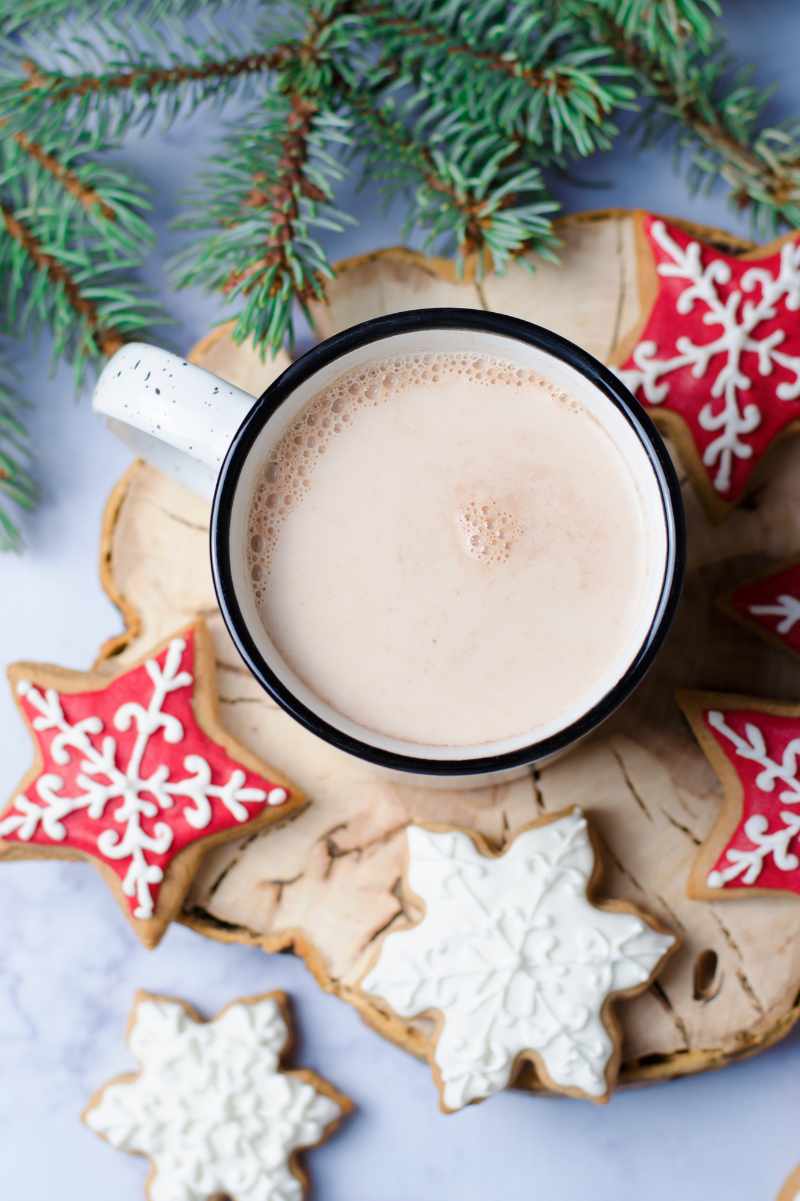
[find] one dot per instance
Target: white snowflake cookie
(514, 961)
(211, 1106)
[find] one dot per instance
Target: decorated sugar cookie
(514, 961)
(211, 1106)
(717, 361)
(769, 605)
(137, 775)
(754, 747)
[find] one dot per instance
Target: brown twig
(65, 176)
(107, 339)
(425, 36)
(473, 242)
(777, 184)
(281, 194)
(63, 87)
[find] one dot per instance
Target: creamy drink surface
(449, 550)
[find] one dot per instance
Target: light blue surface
(69, 964)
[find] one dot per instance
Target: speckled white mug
(175, 415)
(213, 437)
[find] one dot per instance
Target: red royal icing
(773, 603)
(140, 782)
(721, 349)
(764, 849)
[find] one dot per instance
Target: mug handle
(175, 415)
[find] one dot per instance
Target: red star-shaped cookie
(769, 605)
(754, 747)
(717, 362)
(137, 775)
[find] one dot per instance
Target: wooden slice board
(327, 885)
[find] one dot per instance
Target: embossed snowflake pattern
(721, 350)
(211, 1107)
(128, 777)
(514, 960)
(760, 834)
(770, 605)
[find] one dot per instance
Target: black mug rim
(413, 321)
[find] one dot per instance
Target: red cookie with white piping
(716, 359)
(754, 747)
(137, 775)
(769, 605)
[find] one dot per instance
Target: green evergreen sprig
(689, 90)
(73, 234)
(127, 75)
(472, 110)
(17, 487)
(268, 193)
(521, 72)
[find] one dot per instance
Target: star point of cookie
(136, 774)
(212, 1105)
(717, 361)
(769, 605)
(754, 747)
(514, 960)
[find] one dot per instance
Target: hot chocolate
(449, 550)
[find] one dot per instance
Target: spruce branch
(135, 73)
(470, 109)
(17, 487)
(71, 234)
(45, 14)
(268, 192)
(477, 199)
(678, 59)
(70, 179)
(26, 255)
(507, 64)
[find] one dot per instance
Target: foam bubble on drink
(488, 531)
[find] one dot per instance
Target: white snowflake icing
(739, 319)
(747, 864)
(514, 957)
(105, 781)
(210, 1107)
(786, 607)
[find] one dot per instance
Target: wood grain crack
(234, 669)
(620, 866)
(280, 885)
(741, 974)
(676, 921)
(673, 821)
(245, 843)
(381, 839)
(401, 912)
(629, 783)
(658, 991)
(538, 798)
(198, 527)
(261, 700)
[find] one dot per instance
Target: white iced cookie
(514, 960)
(211, 1107)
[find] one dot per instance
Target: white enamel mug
(215, 438)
